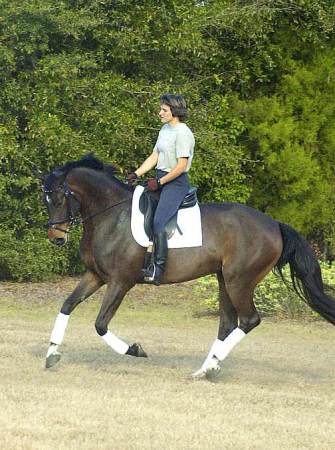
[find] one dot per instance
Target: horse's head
(89, 178)
(62, 206)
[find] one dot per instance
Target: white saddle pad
(188, 219)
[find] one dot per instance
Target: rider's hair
(177, 105)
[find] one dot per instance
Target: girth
(148, 204)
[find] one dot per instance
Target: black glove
(131, 178)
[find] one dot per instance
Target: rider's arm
(148, 164)
(176, 171)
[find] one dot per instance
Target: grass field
(275, 391)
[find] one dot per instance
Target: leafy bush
(272, 296)
(83, 76)
(34, 258)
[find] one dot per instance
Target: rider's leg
(171, 197)
(155, 271)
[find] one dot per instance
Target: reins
(81, 221)
(71, 219)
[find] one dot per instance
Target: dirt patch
(273, 390)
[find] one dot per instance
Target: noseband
(71, 219)
(71, 214)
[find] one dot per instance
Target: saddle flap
(189, 222)
(148, 204)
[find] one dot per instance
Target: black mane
(88, 161)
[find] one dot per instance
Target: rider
(172, 157)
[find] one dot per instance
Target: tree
(291, 134)
(79, 76)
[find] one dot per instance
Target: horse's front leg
(89, 283)
(114, 295)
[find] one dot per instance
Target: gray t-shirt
(174, 142)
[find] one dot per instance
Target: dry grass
(276, 391)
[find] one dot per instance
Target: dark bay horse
(240, 245)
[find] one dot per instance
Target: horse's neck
(96, 191)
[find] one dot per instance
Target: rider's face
(165, 113)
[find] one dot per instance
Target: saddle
(148, 204)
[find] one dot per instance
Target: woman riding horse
(172, 157)
(240, 245)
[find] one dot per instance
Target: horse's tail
(305, 273)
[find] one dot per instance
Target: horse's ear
(39, 175)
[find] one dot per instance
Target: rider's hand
(131, 178)
(153, 184)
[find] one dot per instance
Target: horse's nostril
(59, 241)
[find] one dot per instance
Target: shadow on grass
(236, 368)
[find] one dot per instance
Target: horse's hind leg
(228, 314)
(89, 283)
(236, 302)
(228, 322)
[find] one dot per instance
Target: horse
(240, 245)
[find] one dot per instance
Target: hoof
(136, 350)
(52, 360)
(210, 372)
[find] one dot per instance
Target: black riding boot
(154, 272)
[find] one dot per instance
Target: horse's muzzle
(59, 235)
(59, 241)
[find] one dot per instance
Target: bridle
(72, 218)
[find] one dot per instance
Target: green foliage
(218, 172)
(79, 76)
(272, 296)
(34, 258)
(290, 134)
(31, 258)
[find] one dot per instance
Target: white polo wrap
(59, 328)
(116, 343)
(221, 349)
